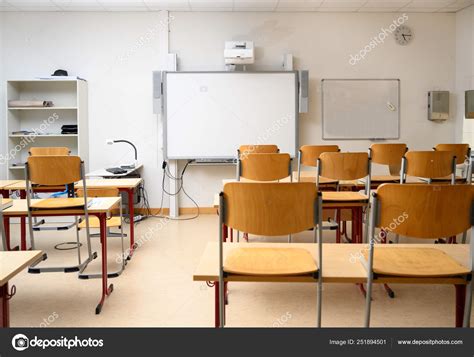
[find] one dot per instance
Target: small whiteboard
(360, 108)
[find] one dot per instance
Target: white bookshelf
(70, 106)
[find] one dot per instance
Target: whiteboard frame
(215, 158)
(360, 79)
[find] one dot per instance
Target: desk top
(6, 183)
(96, 205)
(340, 261)
(5, 203)
(91, 183)
(111, 183)
(105, 173)
(13, 263)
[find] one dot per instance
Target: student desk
(99, 207)
(123, 185)
(4, 184)
(340, 265)
(12, 263)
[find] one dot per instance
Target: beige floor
(157, 290)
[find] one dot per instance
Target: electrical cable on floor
(180, 179)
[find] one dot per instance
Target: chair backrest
(429, 164)
(270, 209)
(388, 154)
(309, 154)
(98, 192)
(258, 149)
(424, 211)
(53, 170)
(461, 151)
(49, 151)
(344, 165)
(265, 167)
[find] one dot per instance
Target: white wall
(3, 144)
(323, 43)
(106, 49)
(464, 69)
(116, 53)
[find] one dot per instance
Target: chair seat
(415, 262)
(343, 196)
(55, 203)
(270, 262)
(95, 223)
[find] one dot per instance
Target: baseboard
(182, 210)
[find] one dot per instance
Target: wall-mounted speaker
(438, 105)
(157, 91)
(469, 104)
(303, 90)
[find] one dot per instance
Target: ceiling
(238, 5)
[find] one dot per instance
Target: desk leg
(216, 304)
(6, 225)
(5, 309)
(23, 225)
(106, 290)
(460, 303)
(131, 212)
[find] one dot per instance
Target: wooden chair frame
(317, 227)
(375, 222)
(50, 181)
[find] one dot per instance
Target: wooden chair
(112, 222)
(49, 151)
(431, 165)
(57, 171)
(264, 167)
(388, 154)
(347, 166)
(421, 211)
(269, 209)
(463, 156)
(308, 155)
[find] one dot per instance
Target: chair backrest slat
(310, 153)
(54, 170)
(270, 209)
(429, 164)
(265, 167)
(461, 151)
(49, 151)
(344, 165)
(424, 211)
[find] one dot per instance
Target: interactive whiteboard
(208, 115)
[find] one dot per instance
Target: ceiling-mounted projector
(239, 52)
